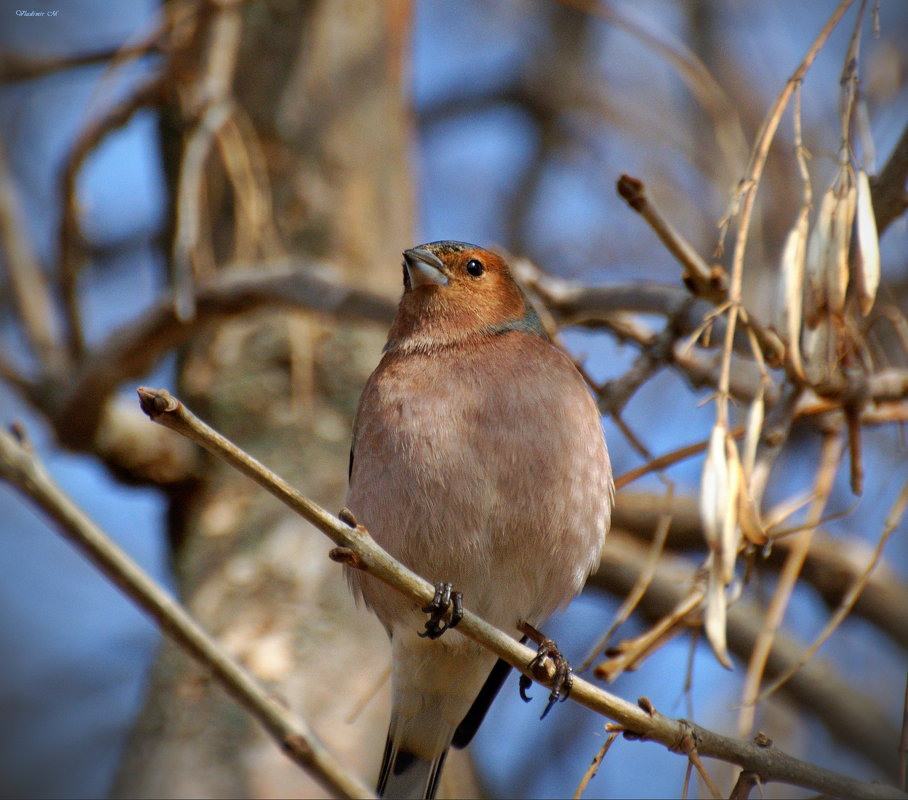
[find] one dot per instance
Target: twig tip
(155, 402)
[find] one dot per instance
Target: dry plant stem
(189, 205)
(850, 716)
(770, 764)
(830, 567)
(744, 785)
(794, 563)
(632, 652)
(662, 462)
(212, 106)
(749, 186)
(21, 469)
(148, 94)
(703, 281)
(640, 587)
(694, 759)
(27, 283)
(847, 603)
(595, 764)
(706, 281)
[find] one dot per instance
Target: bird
(479, 461)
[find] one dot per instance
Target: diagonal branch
(357, 548)
(20, 468)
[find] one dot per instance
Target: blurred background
(151, 156)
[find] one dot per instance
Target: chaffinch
(478, 459)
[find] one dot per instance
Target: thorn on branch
(297, 748)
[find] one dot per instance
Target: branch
(20, 468)
(832, 565)
(146, 95)
(357, 548)
(31, 297)
(890, 198)
(852, 718)
(132, 350)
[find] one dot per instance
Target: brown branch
(702, 279)
(32, 300)
(831, 567)
(133, 349)
(888, 190)
(708, 282)
(852, 718)
(22, 470)
(70, 236)
(209, 106)
(641, 722)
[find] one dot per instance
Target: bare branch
(20, 468)
(29, 288)
(890, 195)
(133, 349)
(831, 567)
(853, 718)
(360, 549)
(71, 244)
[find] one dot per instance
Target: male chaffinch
(478, 457)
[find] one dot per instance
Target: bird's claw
(445, 601)
(562, 680)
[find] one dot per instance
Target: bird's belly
(508, 527)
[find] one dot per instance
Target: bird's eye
(475, 268)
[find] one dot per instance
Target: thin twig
(28, 285)
(642, 584)
(851, 717)
(593, 768)
(669, 459)
(210, 106)
(847, 603)
(744, 785)
(794, 563)
(20, 468)
(71, 244)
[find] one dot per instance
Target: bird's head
(454, 291)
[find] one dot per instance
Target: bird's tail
(404, 775)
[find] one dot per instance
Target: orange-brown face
(453, 290)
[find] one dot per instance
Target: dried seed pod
(815, 299)
(754, 429)
(836, 264)
(792, 284)
(715, 614)
(868, 249)
(730, 530)
(714, 488)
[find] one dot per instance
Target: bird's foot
(563, 676)
(444, 603)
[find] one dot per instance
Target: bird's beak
(424, 268)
